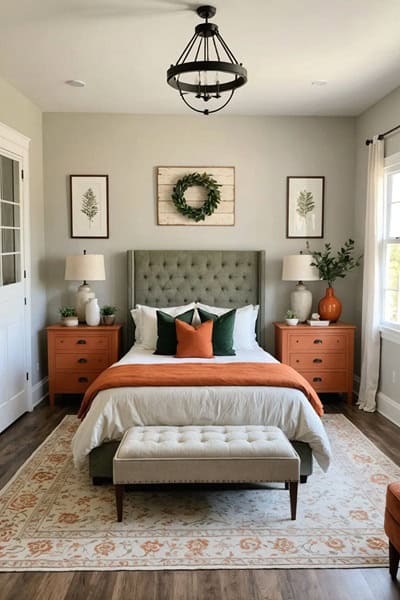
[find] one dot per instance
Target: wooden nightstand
(323, 355)
(76, 355)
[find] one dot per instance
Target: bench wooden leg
(293, 486)
(394, 557)
(119, 498)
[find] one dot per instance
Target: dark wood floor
(18, 442)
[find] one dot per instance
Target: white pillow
(244, 331)
(146, 319)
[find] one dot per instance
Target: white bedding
(114, 411)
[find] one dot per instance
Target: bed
(220, 278)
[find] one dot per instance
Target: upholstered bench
(205, 454)
(392, 526)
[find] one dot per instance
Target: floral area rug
(53, 518)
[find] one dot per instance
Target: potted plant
(108, 314)
(291, 318)
(68, 316)
(331, 266)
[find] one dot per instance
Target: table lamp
(84, 267)
(297, 267)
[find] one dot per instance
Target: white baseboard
(388, 408)
(39, 391)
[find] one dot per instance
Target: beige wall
(263, 150)
(20, 113)
(382, 116)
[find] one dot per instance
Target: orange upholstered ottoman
(392, 526)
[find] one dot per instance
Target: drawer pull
(83, 380)
(317, 341)
(317, 379)
(81, 342)
(82, 360)
(317, 360)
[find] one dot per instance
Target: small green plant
(67, 311)
(331, 266)
(290, 314)
(107, 310)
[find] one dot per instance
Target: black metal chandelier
(207, 68)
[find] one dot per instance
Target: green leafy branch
(305, 203)
(90, 207)
(331, 266)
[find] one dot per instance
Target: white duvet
(116, 410)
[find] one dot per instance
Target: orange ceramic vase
(330, 307)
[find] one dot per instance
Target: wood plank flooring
(21, 439)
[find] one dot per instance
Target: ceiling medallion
(207, 69)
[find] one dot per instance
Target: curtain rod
(381, 136)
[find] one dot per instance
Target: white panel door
(13, 355)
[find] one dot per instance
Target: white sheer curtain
(371, 313)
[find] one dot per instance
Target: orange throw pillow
(194, 342)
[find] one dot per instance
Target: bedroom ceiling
(121, 49)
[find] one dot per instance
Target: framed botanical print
(305, 207)
(89, 206)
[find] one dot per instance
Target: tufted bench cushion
(205, 454)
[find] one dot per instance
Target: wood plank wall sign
(168, 214)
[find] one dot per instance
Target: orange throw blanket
(201, 375)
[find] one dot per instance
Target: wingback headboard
(229, 278)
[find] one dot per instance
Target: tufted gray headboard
(216, 277)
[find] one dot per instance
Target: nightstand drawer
(73, 382)
(80, 342)
(326, 381)
(317, 360)
(80, 361)
(322, 341)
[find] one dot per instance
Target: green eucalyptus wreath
(209, 205)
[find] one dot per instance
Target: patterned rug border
(178, 564)
(34, 453)
(330, 415)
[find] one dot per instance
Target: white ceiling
(122, 49)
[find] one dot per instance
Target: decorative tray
(316, 323)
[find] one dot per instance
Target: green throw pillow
(222, 337)
(166, 342)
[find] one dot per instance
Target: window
(10, 229)
(391, 244)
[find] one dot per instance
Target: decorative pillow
(244, 333)
(222, 337)
(166, 342)
(145, 318)
(194, 342)
(135, 312)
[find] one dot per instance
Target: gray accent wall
(21, 114)
(263, 150)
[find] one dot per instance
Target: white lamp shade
(297, 267)
(85, 267)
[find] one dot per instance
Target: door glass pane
(16, 178)
(9, 214)
(10, 240)
(11, 268)
(9, 179)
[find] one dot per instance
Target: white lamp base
(84, 294)
(301, 302)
